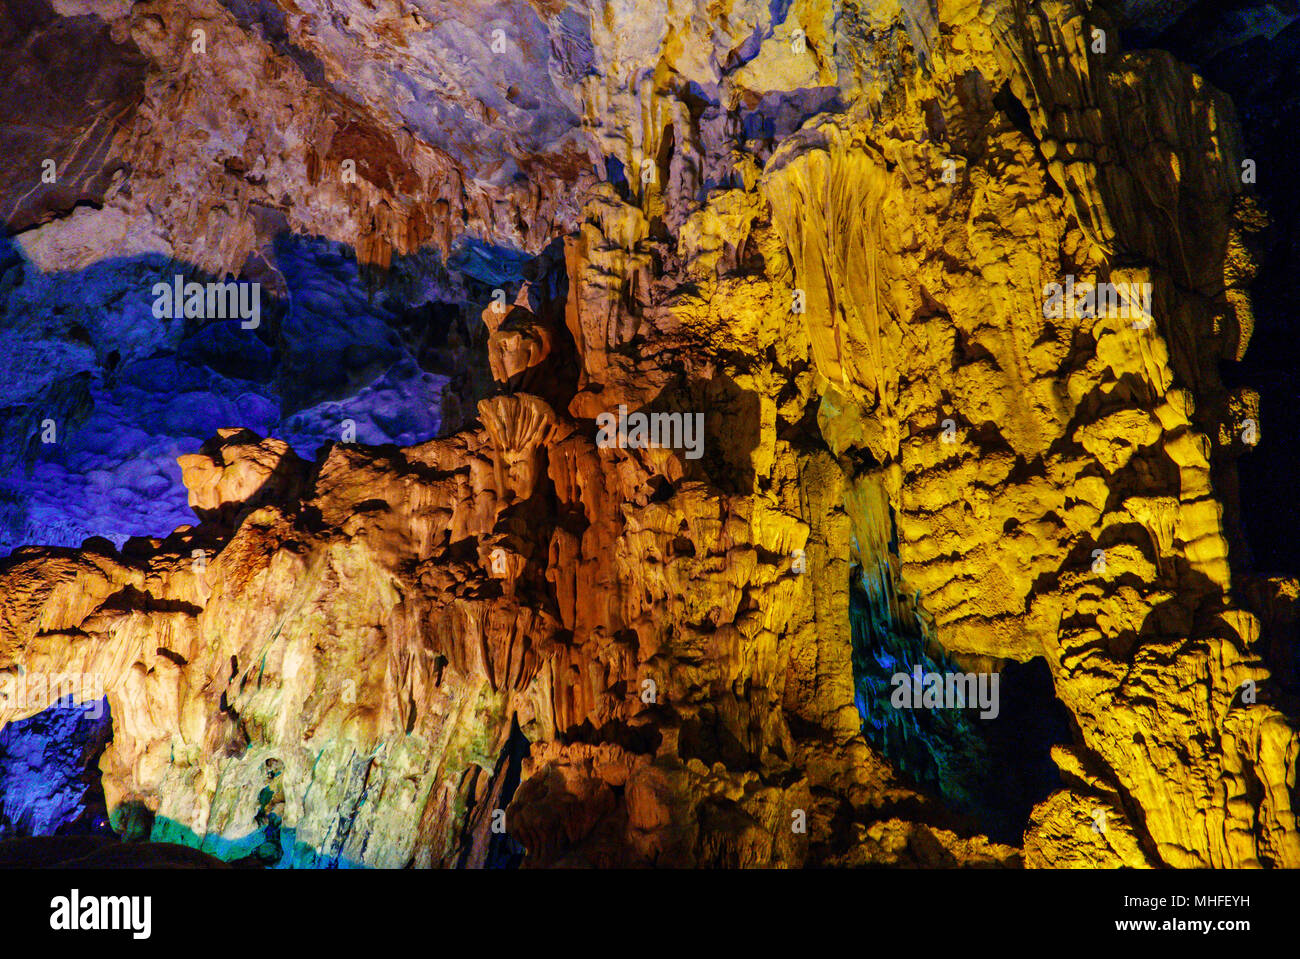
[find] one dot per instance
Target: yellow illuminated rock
(856, 303)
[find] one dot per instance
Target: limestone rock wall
(831, 239)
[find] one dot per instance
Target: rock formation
(825, 232)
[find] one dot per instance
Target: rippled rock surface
(371, 583)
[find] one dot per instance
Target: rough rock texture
(239, 123)
(126, 393)
(828, 231)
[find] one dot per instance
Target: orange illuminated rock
(839, 254)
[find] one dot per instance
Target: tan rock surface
(671, 635)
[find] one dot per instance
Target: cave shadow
(732, 428)
(990, 771)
